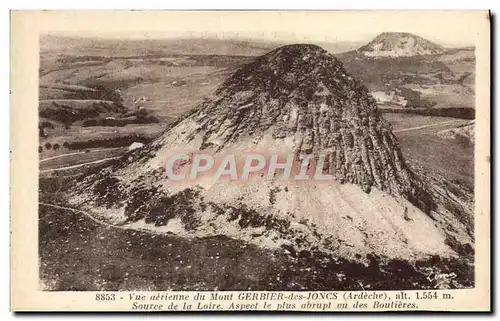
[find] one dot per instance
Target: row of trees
(96, 143)
(454, 112)
(110, 142)
(69, 114)
(138, 117)
(98, 92)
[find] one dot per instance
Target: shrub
(179, 205)
(109, 189)
(136, 205)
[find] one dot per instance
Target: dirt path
(82, 212)
(427, 126)
(78, 165)
(77, 153)
(104, 223)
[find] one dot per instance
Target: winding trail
(126, 226)
(84, 213)
(77, 153)
(104, 223)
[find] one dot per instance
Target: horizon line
(279, 37)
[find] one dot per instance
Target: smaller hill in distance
(400, 44)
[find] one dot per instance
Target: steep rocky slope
(400, 44)
(302, 97)
(298, 100)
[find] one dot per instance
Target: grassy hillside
(124, 259)
(453, 159)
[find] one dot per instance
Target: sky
(448, 28)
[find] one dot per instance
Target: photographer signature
(441, 278)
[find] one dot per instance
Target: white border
(185, 4)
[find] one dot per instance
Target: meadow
(453, 159)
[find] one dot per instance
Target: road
(79, 165)
(81, 212)
(427, 126)
(77, 153)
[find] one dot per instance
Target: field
(79, 158)
(453, 159)
(113, 95)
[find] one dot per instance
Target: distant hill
(444, 78)
(400, 44)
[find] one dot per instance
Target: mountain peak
(296, 100)
(399, 44)
(299, 99)
(275, 69)
(282, 91)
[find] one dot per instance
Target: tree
(56, 146)
(40, 149)
(48, 145)
(66, 145)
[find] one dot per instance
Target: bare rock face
(303, 93)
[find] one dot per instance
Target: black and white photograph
(264, 159)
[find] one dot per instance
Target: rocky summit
(301, 93)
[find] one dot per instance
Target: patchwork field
(109, 101)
